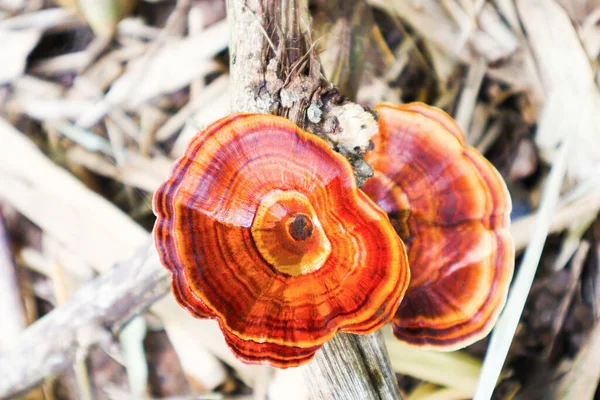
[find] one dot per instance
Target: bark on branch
(275, 69)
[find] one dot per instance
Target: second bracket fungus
(451, 208)
(263, 228)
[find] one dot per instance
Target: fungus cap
(263, 228)
(452, 210)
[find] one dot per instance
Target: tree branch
(274, 69)
(286, 80)
(56, 341)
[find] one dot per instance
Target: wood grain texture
(353, 367)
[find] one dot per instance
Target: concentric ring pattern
(263, 228)
(451, 208)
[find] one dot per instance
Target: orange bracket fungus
(451, 208)
(263, 229)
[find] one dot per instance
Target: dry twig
(53, 343)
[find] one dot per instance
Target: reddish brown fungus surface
(263, 228)
(451, 208)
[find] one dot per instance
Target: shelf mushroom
(263, 229)
(451, 208)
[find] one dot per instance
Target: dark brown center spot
(301, 227)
